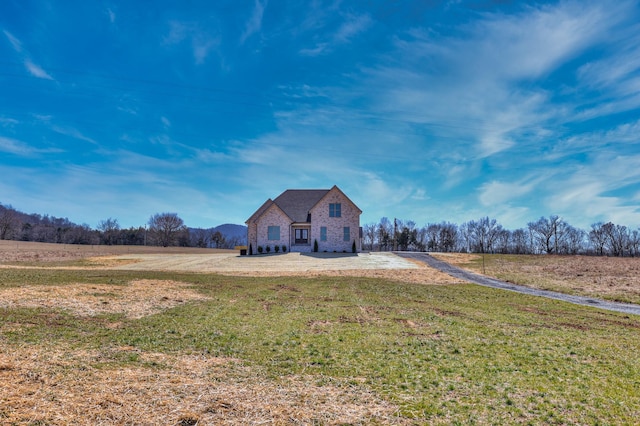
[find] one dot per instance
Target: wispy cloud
(8, 121)
(202, 42)
(13, 146)
(33, 69)
(19, 148)
(590, 190)
(483, 83)
(73, 133)
(15, 43)
(349, 27)
(254, 24)
(111, 15)
(500, 193)
(36, 70)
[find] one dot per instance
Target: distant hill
(233, 232)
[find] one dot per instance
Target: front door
(301, 236)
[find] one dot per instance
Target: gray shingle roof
(296, 203)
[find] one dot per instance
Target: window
(302, 236)
(347, 234)
(323, 233)
(273, 233)
(335, 210)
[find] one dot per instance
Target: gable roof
(296, 203)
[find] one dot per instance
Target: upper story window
(335, 210)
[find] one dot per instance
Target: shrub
(260, 249)
(284, 248)
(268, 249)
(276, 248)
(315, 246)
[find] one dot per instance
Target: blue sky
(419, 110)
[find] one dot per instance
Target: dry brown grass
(53, 386)
(608, 277)
(58, 385)
(135, 300)
(64, 386)
(25, 251)
(422, 275)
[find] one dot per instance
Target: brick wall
(349, 217)
(272, 217)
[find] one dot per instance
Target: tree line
(162, 229)
(547, 235)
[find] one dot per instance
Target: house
(298, 218)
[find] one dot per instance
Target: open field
(97, 342)
(610, 278)
(24, 251)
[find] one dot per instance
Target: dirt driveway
(380, 265)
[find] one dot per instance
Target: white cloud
(531, 44)
(481, 94)
(15, 43)
(349, 28)
(36, 70)
(20, 148)
(254, 24)
(497, 193)
(201, 41)
(73, 133)
(13, 146)
(112, 15)
(32, 68)
(8, 121)
(202, 47)
(587, 191)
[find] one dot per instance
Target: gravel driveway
(492, 282)
(289, 262)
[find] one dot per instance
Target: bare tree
(573, 241)
(385, 234)
(482, 234)
(448, 236)
(520, 242)
(370, 230)
(421, 239)
(617, 238)
(110, 230)
(634, 243)
(165, 228)
(199, 237)
(218, 240)
(598, 237)
(503, 241)
(9, 222)
(548, 233)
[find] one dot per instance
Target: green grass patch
(459, 354)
